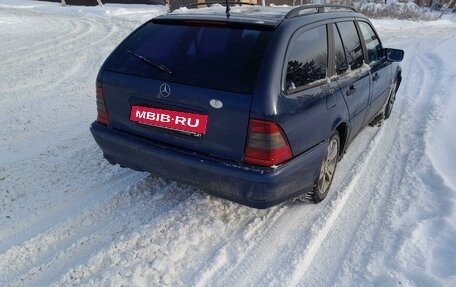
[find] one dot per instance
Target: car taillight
(102, 114)
(266, 144)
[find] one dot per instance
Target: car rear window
(214, 56)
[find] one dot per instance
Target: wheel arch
(398, 77)
(342, 128)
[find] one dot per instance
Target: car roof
(266, 16)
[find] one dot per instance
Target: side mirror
(394, 55)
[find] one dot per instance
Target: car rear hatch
(188, 84)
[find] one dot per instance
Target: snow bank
(126, 11)
(397, 10)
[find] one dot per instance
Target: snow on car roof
(266, 12)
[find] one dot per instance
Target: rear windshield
(216, 57)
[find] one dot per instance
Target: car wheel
(327, 170)
(390, 103)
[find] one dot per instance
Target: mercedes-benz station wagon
(252, 104)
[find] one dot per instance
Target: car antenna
(227, 9)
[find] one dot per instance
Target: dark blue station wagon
(252, 104)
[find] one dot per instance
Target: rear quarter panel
(306, 119)
(304, 116)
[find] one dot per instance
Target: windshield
(216, 57)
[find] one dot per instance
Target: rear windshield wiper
(161, 67)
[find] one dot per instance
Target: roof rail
(320, 8)
(223, 3)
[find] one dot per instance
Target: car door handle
(376, 77)
(330, 91)
(351, 90)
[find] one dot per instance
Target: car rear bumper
(247, 185)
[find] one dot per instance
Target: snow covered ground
(69, 218)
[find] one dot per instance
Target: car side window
(374, 48)
(339, 54)
(307, 59)
(352, 44)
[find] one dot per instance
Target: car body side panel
(355, 90)
(380, 71)
(380, 87)
(306, 119)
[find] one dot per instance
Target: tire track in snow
(25, 27)
(64, 31)
(62, 55)
(160, 247)
(62, 43)
(223, 257)
(50, 230)
(257, 255)
(370, 200)
(84, 29)
(362, 201)
(26, 106)
(306, 251)
(80, 238)
(178, 247)
(381, 201)
(39, 223)
(57, 165)
(68, 243)
(296, 220)
(257, 258)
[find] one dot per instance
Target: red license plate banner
(181, 121)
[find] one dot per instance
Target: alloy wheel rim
(328, 166)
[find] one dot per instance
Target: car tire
(327, 170)
(387, 108)
(390, 103)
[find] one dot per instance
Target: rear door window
(216, 57)
(340, 59)
(352, 44)
(307, 60)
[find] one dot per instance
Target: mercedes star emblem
(165, 90)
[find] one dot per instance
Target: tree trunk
(99, 2)
(63, 3)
